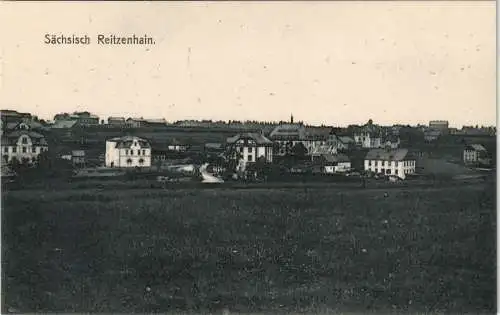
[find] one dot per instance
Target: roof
(257, 137)
(127, 141)
(317, 132)
(175, 141)
(476, 147)
(214, 146)
(284, 131)
(61, 124)
(11, 125)
(387, 155)
(323, 149)
(31, 124)
(12, 137)
(336, 158)
(149, 121)
(346, 139)
(116, 118)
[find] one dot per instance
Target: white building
(128, 152)
(392, 142)
(368, 140)
(251, 146)
(474, 153)
(23, 145)
(390, 162)
(337, 163)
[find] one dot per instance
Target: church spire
(291, 118)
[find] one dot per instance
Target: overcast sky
(326, 62)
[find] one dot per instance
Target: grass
(259, 250)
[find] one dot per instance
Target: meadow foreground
(258, 250)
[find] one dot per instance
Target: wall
(399, 168)
(31, 151)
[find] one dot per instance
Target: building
(367, 139)
(116, 121)
(287, 135)
(431, 135)
(22, 144)
(251, 146)
(341, 143)
(77, 157)
(475, 154)
(392, 142)
(441, 125)
(141, 122)
(336, 163)
(128, 151)
(64, 124)
(81, 118)
(176, 145)
(12, 116)
(390, 162)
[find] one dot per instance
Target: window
(249, 158)
(33, 149)
(143, 152)
(24, 140)
(126, 152)
(138, 152)
(14, 149)
(396, 172)
(250, 150)
(129, 161)
(131, 152)
(6, 149)
(24, 149)
(141, 161)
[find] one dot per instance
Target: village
(80, 145)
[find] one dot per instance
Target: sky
(333, 63)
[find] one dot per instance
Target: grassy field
(259, 250)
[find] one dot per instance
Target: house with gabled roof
(128, 151)
(398, 162)
(23, 145)
(251, 147)
(335, 163)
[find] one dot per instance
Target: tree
(14, 164)
(299, 151)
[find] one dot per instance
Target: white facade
(341, 167)
(474, 154)
(250, 147)
(128, 152)
(367, 140)
(251, 153)
(399, 168)
(23, 146)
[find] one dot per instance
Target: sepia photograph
(245, 157)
